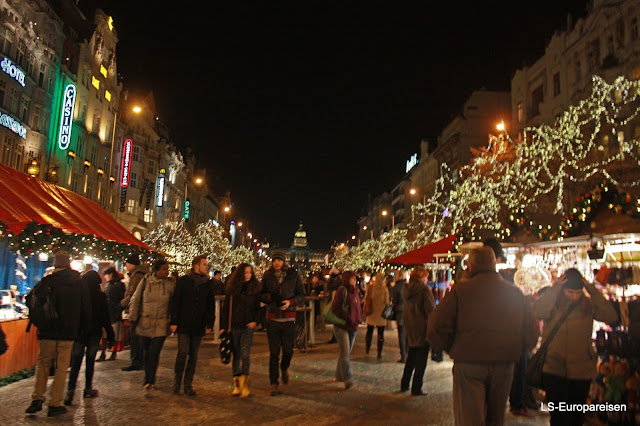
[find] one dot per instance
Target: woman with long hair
(346, 305)
(418, 304)
(376, 298)
(243, 298)
(570, 362)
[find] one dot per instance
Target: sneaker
(56, 411)
(285, 377)
(522, 412)
(36, 405)
(90, 393)
(275, 391)
(148, 387)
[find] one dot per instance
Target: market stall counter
(23, 347)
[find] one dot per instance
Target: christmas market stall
(38, 218)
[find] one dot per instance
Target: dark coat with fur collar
(245, 304)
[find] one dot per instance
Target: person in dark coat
(398, 309)
(193, 312)
(56, 339)
(115, 290)
(88, 343)
(346, 305)
(243, 296)
(282, 291)
(418, 304)
(334, 283)
(136, 272)
(218, 285)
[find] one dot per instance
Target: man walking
(136, 273)
(282, 292)
(59, 306)
(193, 311)
(398, 310)
(484, 323)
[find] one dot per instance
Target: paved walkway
(312, 397)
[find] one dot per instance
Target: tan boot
(244, 386)
(236, 386)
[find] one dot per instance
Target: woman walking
(115, 291)
(570, 362)
(375, 299)
(150, 316)
(418, 304)
(346, 305)
(243, 298)
(89, 343)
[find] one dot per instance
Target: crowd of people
(485, 323)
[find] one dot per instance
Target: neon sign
(66, 116)
(13, 70)
(187, 209)
(14, 125)
(126, 163)
(411, 163)
(160, 195)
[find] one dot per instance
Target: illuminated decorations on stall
(14, 125)
(14, 71)
(66, 116)
(411, 163)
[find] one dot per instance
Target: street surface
(312, 397)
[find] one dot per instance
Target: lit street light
(500, 126)
(414, 191)
(393, 219)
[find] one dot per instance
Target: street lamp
(393, 219)
(414, 191)
(500, 126)
(197, 181)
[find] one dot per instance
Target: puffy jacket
(379, 294)
(274, 293)
(115, 291)
(571, 353)
(150, 306)
(418, 304)
(194, 305)
(245, 307)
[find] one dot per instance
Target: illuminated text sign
(127, 149)
(411, 163)
(66, 116)
(160, 194)
(13, 70)
(187, 209)
(14, 125)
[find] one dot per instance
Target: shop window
(24, 109)
(37, 117)
(15, 99)
(148, 216)
(131, 206)
(21, 56)
(6, 41)
(41, 75)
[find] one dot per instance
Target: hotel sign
(125, 170)
(66, 116)
(160, 192)
(13, 70)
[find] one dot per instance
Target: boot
(244, 386)
(68, 399)
(380, 344)
(236, 386)
(368, 343)
(102, 357)
(114, 356)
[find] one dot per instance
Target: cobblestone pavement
(311, 397)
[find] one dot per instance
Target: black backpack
(41, 301)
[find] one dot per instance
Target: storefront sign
(66, 116)
(160, 192)
(187, 209)
(411, 163)
(125, 170)
(14, 125)
(13, 70)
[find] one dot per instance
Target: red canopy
(25, 199)
(424, 254)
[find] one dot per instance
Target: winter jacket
(334, 283)
(379, 294)
(245, 304)
(397, 299)
(150, 306)
(218, 287)
(418, 304)
(274, 293)
(571, 353)
(483, 319)
(353, 314)
(115, 291)
(72, 305)
(135, 276)
(99, 310)
(194, 304)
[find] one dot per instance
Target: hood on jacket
(412, 290)
(140, 269)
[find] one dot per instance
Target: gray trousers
(480, 392)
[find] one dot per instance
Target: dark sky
(301, 109)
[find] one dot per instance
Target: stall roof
(25, 199)
(424, 254)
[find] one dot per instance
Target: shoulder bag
(226, 345)
(536, 363)
(330, 316)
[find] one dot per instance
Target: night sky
(301, 109)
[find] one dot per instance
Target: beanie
(279, 254)
(133, 259)
(574, 280)
(61, 259)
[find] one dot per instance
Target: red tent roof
(25, 199)
(424, 254)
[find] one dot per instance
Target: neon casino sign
(126, 163)
(66, 116)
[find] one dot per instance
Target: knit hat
(279, 254)
(574, 280)
(61, 259)
(134, 259)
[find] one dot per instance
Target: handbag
(226, 345)
(535, 366)
(387, 312)
(331, 317)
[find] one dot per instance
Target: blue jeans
(345, 340)
(242, 339)
(77, 353)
